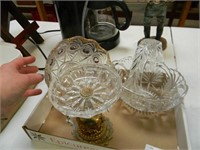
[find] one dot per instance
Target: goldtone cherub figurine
(158, 9)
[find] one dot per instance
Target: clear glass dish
(153, 87)
(85, 90)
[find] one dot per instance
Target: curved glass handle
(126, 12)
(123, 67)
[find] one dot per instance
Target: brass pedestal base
(96, 130)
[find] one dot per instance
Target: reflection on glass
(75, 49)
(85, 90)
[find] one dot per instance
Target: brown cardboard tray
(131, 129)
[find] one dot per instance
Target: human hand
(16, 78)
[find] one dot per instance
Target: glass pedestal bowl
(86, 91)
(82, 85)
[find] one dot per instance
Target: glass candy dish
(85, 90)
(75, 49)
(153, 87)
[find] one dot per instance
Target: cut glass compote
(82, 85)
(85, 91)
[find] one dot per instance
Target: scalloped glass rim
(77, 49)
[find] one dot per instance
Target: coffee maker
(96, 20)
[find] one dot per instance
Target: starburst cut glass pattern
(148, 49)
(85, 90)
(153, 87)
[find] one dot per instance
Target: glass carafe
(102, 21)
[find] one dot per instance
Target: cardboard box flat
(9, 113)
(131, 130)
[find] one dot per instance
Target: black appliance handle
(126, 12)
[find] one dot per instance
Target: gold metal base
(96, 130)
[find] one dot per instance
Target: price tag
(150, 147)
